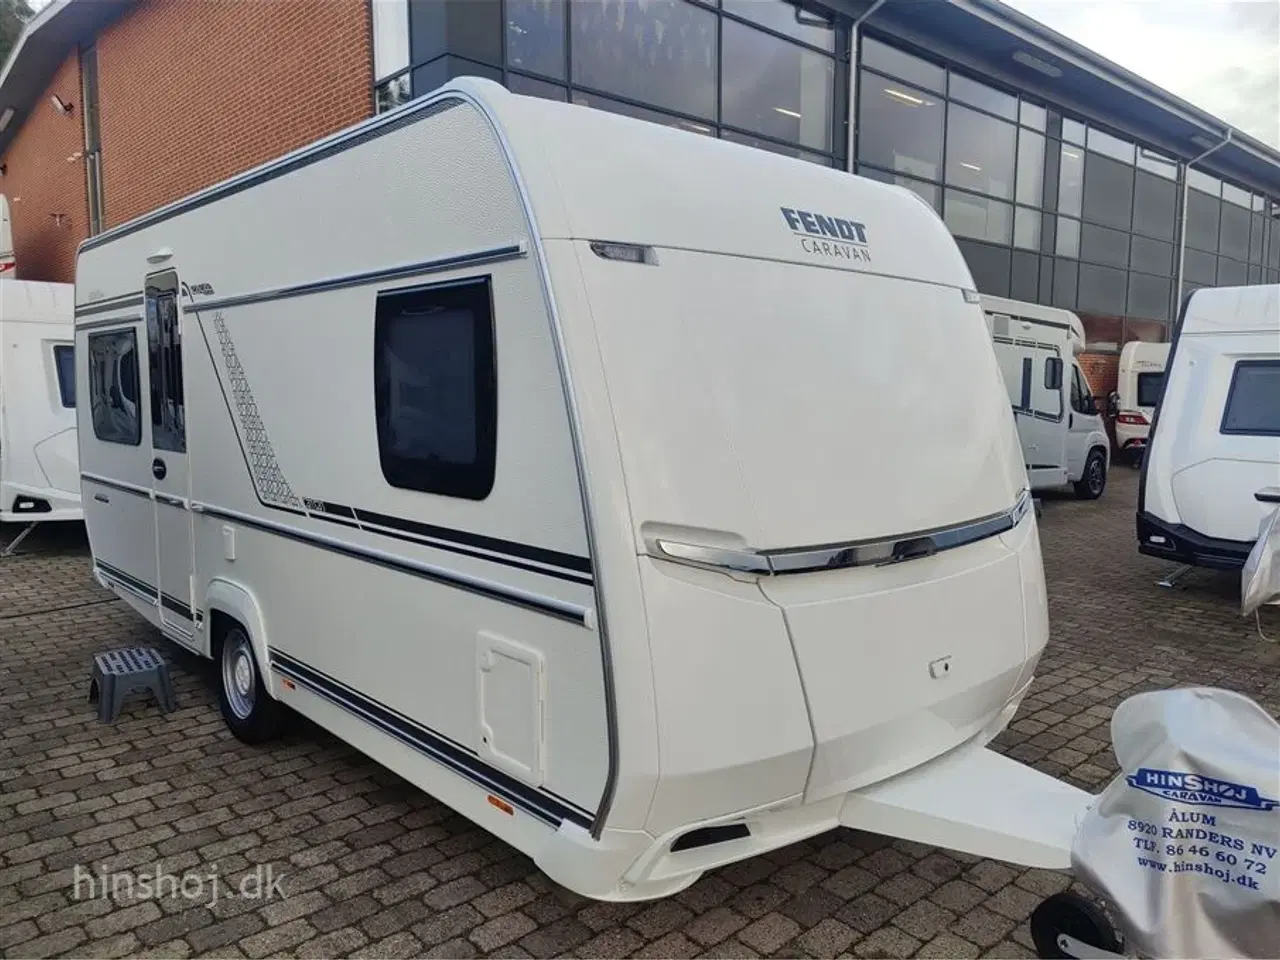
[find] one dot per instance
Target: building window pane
(1065, 274)
(1149, 296)
(980, 152)
(529, 87)
(980, 95)
(1068, 237)
(1255, 274)
(1072, 130)
(781, 148)
(1071, 181)
(1232, 194)
(894, 62)
(1151, 256)
(1273, 251)
(1232, 273)
(900, 128)
(1101, 245)
(1108, 192)
(1155, 205)
(1030, 168)
(931, 193)
(1031, 115)
(1110, 146)
(535, 36)
(1103, 290)
(1203, 182)
(1026, 275)
(641, 113)
(661, 53)
(1200, 267)
(1256, 237)
(1026, 228)
(785, 18)
(390, 37)
(776, 88)
(1202, 220)
(394, 92)
(989, 266)
(968, 215)
(1157, 163)
(1236, 222)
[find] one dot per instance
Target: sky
(1221, 55)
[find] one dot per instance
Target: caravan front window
(1149, 385)
(64, 362)
(435, 394)
(1253, 400)
(114, 389)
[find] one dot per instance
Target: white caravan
(1138, 386)
(1062, 435)
(541, 488)
(39, 467)
(1212, 466)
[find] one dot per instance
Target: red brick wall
(194, 92)
(44, 176)
(1102, 370)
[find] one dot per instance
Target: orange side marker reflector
(288, 684)
(502, 805)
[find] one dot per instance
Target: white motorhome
(39, 467)
(1212, 465)
(541, 488)
(1138, 385)
(1062, 435)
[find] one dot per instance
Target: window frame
(1223, 429)
(65, 384)
(474, 481)
(164, 363)
(139, 415)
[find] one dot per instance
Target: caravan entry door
(169, 467)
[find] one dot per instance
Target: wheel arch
(233, 601)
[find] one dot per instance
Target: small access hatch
(511, 695)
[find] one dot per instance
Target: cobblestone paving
(370, 867)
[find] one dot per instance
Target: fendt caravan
(1138, 385)
(39, 467)
(541, 487)
(1212, 466)
(1062, 436)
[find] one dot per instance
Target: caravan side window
(114, 390)
(64, 363)
(168, 409)
(435, 389)
(1253, 400)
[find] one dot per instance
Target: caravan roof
(1232, 310)
(1053, 316)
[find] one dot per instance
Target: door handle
(158, 469)
(1071, 422)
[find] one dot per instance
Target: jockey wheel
(1067, 922)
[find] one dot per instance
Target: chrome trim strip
(109, 322)
(109, 303)
(551, 606)
(469, 258)
(117, 484)
(774, 563)
(169, 500)
(120, 584)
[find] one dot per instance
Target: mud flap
(976, 801)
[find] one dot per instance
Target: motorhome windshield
(1149, 385)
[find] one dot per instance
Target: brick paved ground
(374, 868)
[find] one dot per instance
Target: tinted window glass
(1200, 267)
(1065, 273)
(1234, 241)
(898, 64)
(529, 87)
(784, 18)
(1030, 168)
(1149, 385)
(1104, 246)
(1202, 220)
(661, 53)
(114, 390)
(535, 36)
(1026, 275)
(989, 266)
(1232, 273)
(1108, 192)
(390, 36)
(1203, 182)
(1068, 243)
(782, 148)
(1071, 180)
(776, 88)
(1032, 115)
(1111, 146)
(1149, 296)
(931, 193)
(1256, 236)
(968, 215)
(641, 113)
(980, 95)
(1157, 163)
(1026, 228)
(1102, 290)
(1253, 402)
(1072, 130)
(1151, 256)
(980, 152)
(900, 128)
(1155, 206)
(64, 362)
(168, 407)
(435, 394)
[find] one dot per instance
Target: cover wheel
(1075, 916)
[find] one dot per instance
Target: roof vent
(1035, 63)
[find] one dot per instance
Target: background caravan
(567, 489)
(1141, 377)
(39, 470)
(1212, 466)
(1062, 436)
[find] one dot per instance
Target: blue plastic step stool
(118, 673)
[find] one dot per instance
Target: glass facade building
(1046, 205)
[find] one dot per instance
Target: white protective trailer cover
(39, 466)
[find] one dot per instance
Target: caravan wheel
(253, 715)
(1071, 914)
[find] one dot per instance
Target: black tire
(249, 710)
(1075, 916)
(1094, 478)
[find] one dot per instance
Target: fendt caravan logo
(826, 236)
(1199, 791)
